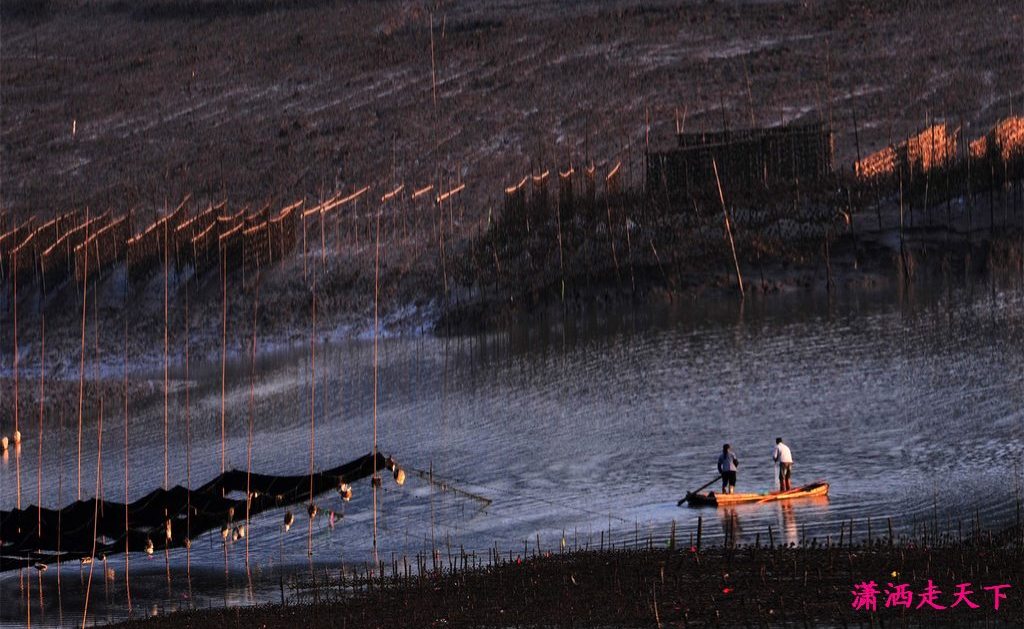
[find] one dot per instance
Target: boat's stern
(702, 500)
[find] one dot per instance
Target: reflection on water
(911, 408)
(783, 530)
(731, 530)
(788, 525)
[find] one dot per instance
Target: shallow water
(910, 405)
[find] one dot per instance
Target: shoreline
(859, 261)
(652, 586)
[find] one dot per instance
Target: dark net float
(33, 536)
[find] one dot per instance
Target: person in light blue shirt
(727, 466)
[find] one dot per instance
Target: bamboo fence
(58, 260)
(146, 249)
(104, 248)
(27, 256)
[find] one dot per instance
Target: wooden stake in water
(376, 323)
(39, 437)
(728, 228)
(252, 415)
(17, 431)
(60, 500)
(81, 367)
(167, 556)
(312, 417)
(95, 510)
(188, 453)
(223, 355)
(166, 381)
(96, 366)
(127, 586)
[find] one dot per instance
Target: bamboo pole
(252, 415)
(223, 357)
(166, 364)
(17, 431)
(127, 585)
(39, 436)
(167, 557)
(60, 499)
(376, 323)
(728, 228)
(312, 419)
(188, 451)
(95, 512)
(81, 368)
(96, 362)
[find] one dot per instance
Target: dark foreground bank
(909, 584)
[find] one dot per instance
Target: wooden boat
(711, 499)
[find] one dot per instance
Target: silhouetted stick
(728, 228)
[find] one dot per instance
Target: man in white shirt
(784, 458)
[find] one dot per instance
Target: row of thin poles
(166, 389)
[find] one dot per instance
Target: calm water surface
(910, 405)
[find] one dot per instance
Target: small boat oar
(690, 493)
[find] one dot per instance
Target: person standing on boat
(784, 458)
(727, 465)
